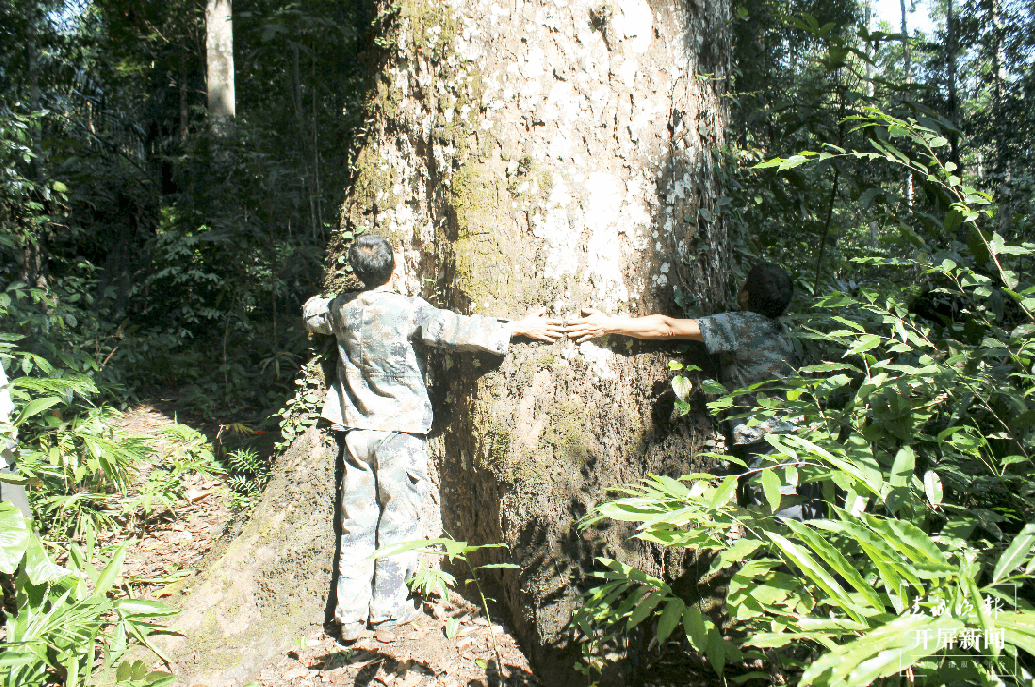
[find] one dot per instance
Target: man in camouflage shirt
(751, 347)
(380, 401)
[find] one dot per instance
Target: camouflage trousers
(386, 481)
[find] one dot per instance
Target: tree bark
(520, 153)
(551, 153)
(952, 49)
(219, 51)
(34, 268)
(998, 78)
(907, 45)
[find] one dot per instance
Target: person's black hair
(769, 289)
(372, 260)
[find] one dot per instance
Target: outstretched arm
(594, 323)
(537, 327)
(446, 329)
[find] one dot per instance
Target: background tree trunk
(219, 51)
(33, 260)
(522, 153)
(952, 49)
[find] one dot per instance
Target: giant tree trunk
(520, 153)
(560, 153)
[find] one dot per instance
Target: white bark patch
(563, 244)
(598, 359)
(636, 22)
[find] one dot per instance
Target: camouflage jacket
(751, 348)
(382, 338)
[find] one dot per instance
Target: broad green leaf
(739, 552)
(902, 470)
(643, 608)
(836, 560)
(984, 617)
(772, 640)
(696, 631)
(933, 487)
(144, 608)
(724, 492)
(1020, 628)
(818, 574)
(863, 344)
(953, 219)
(771, 489)
(9, 659)
(38, 565)
(111, 571)
(710, 386)
(910, 540)
(672, 487)
(35, 407)
(14, 537)
(403, 547)
(1020, 548)
(670, 617)
(681, 386)
(716, 650)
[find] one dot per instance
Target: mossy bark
(521, 153)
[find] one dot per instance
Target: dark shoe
(350, 632)
(404, 616)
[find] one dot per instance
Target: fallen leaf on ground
(295, 673)
(172, 588)
(196, 495)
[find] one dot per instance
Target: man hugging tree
(380, 402)
(751, 347)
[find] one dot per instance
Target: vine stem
(488, 617)
(826, 229)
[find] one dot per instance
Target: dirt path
(171, 546)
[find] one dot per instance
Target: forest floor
(170, 544)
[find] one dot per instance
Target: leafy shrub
(920, 435)
(68, 617)
(248, 473)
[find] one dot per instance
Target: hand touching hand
(592, 324)
(537, 327)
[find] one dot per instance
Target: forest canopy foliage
(889, 171)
